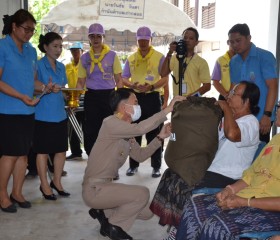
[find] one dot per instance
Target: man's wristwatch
(267, 113)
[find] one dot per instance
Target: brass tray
(73, 96)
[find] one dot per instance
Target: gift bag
(194, 140)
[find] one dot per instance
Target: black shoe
(60, 192)
(48, 197)
(10, 209)
(31, 175)
(24, 204)
(113, 232)
(156, 173)
(97, 213)
(116, 178)
(131, 171)
(63, 174)
(74, 157)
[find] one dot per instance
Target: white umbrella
(72, 18)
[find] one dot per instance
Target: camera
(181, 48)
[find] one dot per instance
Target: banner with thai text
(122, 8)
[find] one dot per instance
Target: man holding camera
(142, 74)
(195, 78)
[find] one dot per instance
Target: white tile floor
(67, 218)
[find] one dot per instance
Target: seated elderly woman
(237, 140)
(252, 204)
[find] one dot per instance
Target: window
(175, 2)
(208, 15)
(189, 8)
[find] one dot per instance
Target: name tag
(107, 76)
(149, 77)
(184, 88)
(172, 137)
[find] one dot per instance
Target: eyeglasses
(277, 106)
(28, 30)
(233, 93)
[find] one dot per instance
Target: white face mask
(137, 112)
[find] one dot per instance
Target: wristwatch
(267, 113)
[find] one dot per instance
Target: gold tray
(73, 96)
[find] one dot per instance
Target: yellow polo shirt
(263, 177)
(225, 75)
(196, 73)
(72, 74)
(145, 70)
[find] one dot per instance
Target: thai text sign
(122, 8)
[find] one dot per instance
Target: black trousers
(75, 144)
(150, 104)
(96, 108)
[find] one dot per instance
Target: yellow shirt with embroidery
(196, 73)
(263, 177)
(72, 74)
(225, 75)
(145, 70)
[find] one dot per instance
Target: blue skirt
(204, 219)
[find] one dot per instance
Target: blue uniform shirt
(18, 72)
(51, 107)
(258, 66)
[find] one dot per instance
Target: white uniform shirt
(232, 158)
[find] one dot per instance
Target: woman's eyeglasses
(277, 106)
(233, 93)
(28, 30)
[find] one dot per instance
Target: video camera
(181, 48)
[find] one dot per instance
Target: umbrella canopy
(120, 18)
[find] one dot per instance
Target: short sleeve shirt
(232, 158)
(51, 107)
(18, 71)
(263, 177)
(196, 73)
(259, 66)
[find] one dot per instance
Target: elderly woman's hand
(223, 104)
(233, 201)
(224, 194)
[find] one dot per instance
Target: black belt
(99, 90)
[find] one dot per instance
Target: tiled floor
(67, 218)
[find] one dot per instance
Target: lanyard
(185, 64)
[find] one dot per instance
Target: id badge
(107, 76)
(172, 137)
(150, 77)
(184, 88)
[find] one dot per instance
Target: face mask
(137, 112)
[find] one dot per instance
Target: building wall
(9, 7)
(260, 15)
